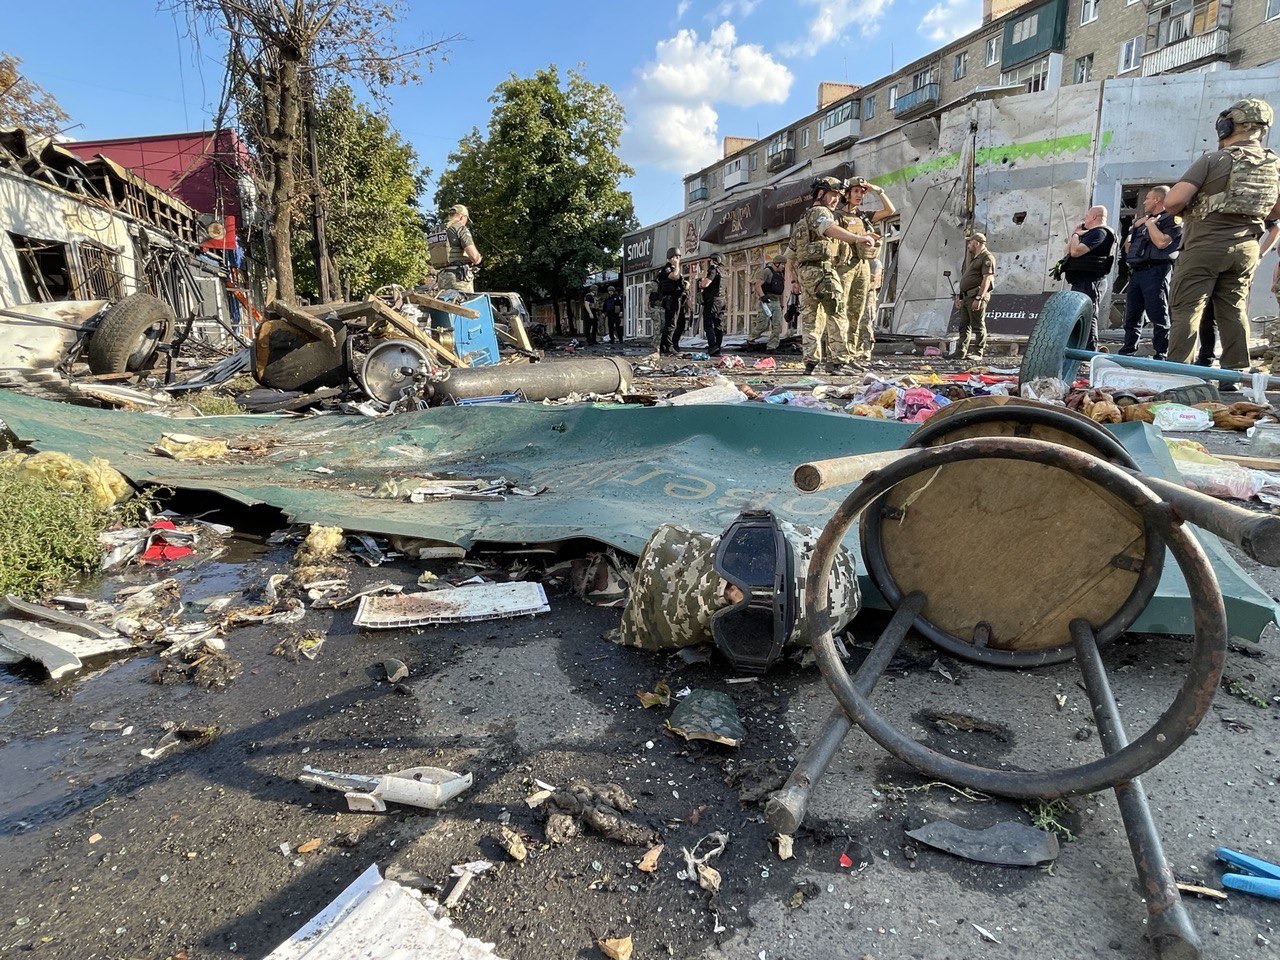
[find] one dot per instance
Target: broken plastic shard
(708, 715)
(426, 787)
(1009, 844)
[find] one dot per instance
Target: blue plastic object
(1260, 877)
(475, 341)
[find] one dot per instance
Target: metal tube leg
(1168, 925)
(785, 809)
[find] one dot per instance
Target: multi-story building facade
(1060, 50)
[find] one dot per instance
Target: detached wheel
(129, 333)
(1063, 324)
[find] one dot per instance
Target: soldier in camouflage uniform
(812, 255)
(653, 305)
(675, 588)
(463, 255)
(857, 258)
(1225, 197)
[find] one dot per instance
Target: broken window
(100, 275)
(46, 271)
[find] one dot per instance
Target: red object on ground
(160, 550)
(846, 861)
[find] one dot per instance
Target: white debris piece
(481, 601)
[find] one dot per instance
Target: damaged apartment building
(1013, 129)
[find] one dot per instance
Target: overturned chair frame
(1020, 452)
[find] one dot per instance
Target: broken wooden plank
(303, 321)
(516, 322)
(424, 300)
(1253, 463)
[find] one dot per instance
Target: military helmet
(717, 259)
(827, 183)
(1252, 110)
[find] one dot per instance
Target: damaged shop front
(100, 268)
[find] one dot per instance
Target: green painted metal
(613, 473)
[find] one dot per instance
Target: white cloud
(950, 19)
(835, 19)
(682, 8)
(673, 122)
(734, 8)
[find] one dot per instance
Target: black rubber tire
(129, 333)
(296, 363)
(1063, 323)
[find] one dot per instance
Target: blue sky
(689, 72)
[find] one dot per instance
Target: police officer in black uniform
(713, 304)
(613, 309)
(1152, 246)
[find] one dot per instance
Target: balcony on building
(780, 153)
(735, 173)
(697, 190)
(915, 102)
(1187, 54)
(840, 125)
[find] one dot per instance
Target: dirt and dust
(214, 847)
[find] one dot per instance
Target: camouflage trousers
(762, 323)
(822, 315)
(1220, 274)
(675, 588)
(446, 279)
(856, 278)
(655, 326)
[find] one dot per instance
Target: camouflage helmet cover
(1252, 110)
(827, 183)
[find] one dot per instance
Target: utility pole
(319, 243)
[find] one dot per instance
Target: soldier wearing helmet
(714, 304)
(1228, 197)
(858, 264)
(811, 255)
(463, 255)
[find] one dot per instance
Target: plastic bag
(722, 390)
(1205, 473)
(1177, 417)
(1048, 389)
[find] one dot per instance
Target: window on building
(1032, 77)
(754, 162)
(1130, 55)
(960, 64)
(99, 271)
(1025, 28)
(1273, 9)
(712, 181)
(869, 107)
(1084, 69)
(1179, 20)
(804, 138)
(45, 269)
(1088, 11)
(993, 49)
(846, 111)
(922, 79)
(891, 97)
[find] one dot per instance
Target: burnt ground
(105, 854)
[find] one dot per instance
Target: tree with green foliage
(542, 185)
(26, 104)
(372, 182)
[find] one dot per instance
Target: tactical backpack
(1253, 185)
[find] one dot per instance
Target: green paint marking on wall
(999, 154)
(1044, 149)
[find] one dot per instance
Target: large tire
(297, 363)
(129, 333)
(1063, 324)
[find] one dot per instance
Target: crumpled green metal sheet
(613, 473)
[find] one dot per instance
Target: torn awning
(613, 473)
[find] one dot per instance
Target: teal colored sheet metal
(613, 473)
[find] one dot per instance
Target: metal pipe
(1168, 927)
(12, 316)
(537, 381)
(1257, 534)
(1168, 366)
(838, 471)
(786, 807)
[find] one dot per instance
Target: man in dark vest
(613, 309)
(671, 288)
(1090, 256)
(713, 304)
(463, 255)
(1153, 244)
(1226, 197)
